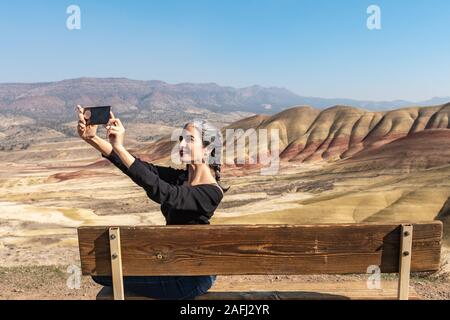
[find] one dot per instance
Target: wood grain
(259, 249)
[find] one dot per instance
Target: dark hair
(207, 130)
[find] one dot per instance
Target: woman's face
(191, 149)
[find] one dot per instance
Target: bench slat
(259, 249)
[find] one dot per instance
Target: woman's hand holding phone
(115, 132)
(85, 131)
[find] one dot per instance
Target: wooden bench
(261, 250)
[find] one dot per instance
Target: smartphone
(97, 115)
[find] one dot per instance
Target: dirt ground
(55, 283)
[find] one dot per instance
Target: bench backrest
(259, 249)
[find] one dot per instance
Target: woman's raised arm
(101, 145)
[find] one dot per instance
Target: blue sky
(312, 47)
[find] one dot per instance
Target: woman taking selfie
(187, 196)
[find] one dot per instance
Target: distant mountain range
(160, 101)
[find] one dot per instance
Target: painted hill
(418, 150)
(342, 132)
(410, 137)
